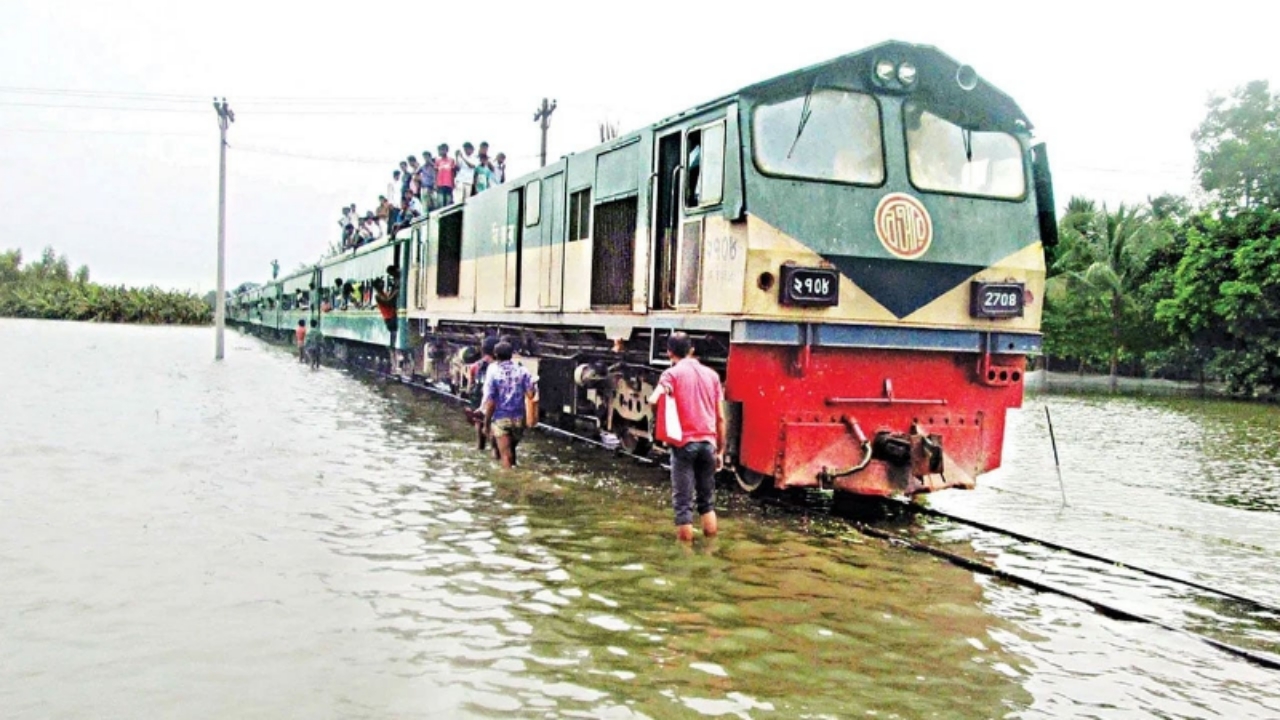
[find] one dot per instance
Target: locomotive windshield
(945, 157)
(824, 135)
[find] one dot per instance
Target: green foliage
(1226, 297)
(1103, 260)
(1174, 289)
(47, 290)
(1238, 147)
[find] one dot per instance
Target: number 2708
(1000, 299)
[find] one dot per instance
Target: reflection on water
(253, 539)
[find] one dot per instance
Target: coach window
(945, 157)
(821, 135)
(580, 215)
(704, 163)
(532, 203)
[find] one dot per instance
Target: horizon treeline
(47, 289)
(1170, 289)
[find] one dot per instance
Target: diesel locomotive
(857, 247)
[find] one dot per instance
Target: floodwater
(253, 539)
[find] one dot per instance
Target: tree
(1238, 147)
(1103, 256)
(1226, 297)
(10, 266)
(82, 274)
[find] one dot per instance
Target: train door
(666, 220)
(551, 292)
(514, 240)
(418, 269)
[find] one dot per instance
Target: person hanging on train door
(314, 344)
(301, 335)
(385, 298)
(699, 452)
(508, 392)
(479, 371)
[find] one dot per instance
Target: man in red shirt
(445, 168)
(301, 336)
(699, 400)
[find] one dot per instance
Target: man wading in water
(507, 389)
(695, 458)
(479, 371)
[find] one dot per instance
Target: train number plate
(997, 300)
(810, 287)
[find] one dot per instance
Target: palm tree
(1103, 251)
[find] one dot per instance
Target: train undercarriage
(878, 422)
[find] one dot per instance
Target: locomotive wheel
(629, 440)
(635, 444)
(752, 482)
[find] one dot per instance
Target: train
(857, 247)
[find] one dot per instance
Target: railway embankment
(1047, 382)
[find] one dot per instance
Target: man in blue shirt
(507, 387)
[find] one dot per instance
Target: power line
(72, 131)
(306, 156)
(362, 113)
(328, 100)
(100, 107)
(160, 97)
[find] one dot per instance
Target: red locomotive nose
(935, 423)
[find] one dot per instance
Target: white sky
(1115, 88)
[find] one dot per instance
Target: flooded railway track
(818, 503)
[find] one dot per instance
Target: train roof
(982, 106)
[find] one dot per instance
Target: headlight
(884, 71)
(906, 73)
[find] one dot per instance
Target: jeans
(693, 469)
(446, 196)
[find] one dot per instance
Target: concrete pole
(225, 118)
(543, 117)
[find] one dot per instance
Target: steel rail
(1244, 599)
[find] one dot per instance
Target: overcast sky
(328, 97)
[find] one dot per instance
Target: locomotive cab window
(704, 163)
(823, 135)
(945, 157)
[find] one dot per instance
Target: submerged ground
(252, 539)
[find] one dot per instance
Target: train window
(704, 164)
(822, 135)
(532, 203)
(945, 157)
(579, 214)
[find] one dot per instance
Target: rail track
(1258, 609)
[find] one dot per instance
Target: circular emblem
(903, 226)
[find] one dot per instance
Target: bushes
(47, 290)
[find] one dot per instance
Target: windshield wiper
(805, 112)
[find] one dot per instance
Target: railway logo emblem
(903, 226)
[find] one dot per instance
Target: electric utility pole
(543, 117)
(225, 118)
